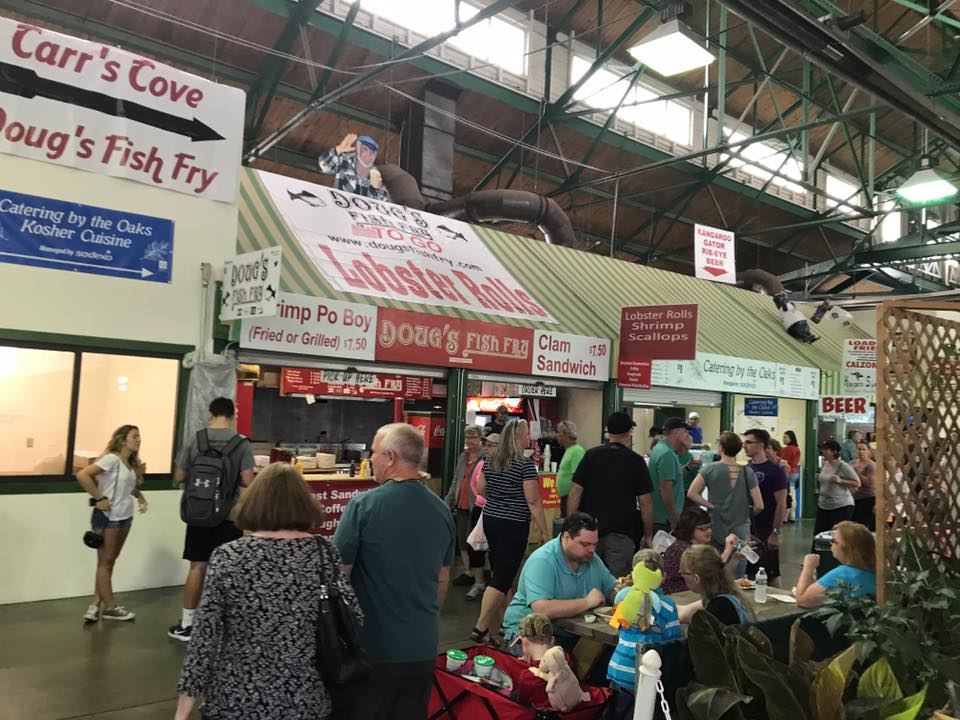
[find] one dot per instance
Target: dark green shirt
(397, 537)
(664, 466)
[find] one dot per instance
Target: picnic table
(764, 615)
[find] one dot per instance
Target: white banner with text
(375, 248)
(314, 326)
(95, 107)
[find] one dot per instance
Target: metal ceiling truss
(261, 92)
(268, 83)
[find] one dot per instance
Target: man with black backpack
(212, 467)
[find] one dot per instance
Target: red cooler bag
(455, 698)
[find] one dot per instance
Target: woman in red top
(791, 453)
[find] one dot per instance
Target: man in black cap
(610, 483)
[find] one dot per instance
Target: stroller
(455, 698)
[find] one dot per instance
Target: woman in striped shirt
(511, 485)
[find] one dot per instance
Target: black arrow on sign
(15, 80)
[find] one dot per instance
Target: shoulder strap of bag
(231, 447)
(203, 442)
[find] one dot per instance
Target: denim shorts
(100, 521)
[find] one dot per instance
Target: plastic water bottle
(748, 552)
(760, 595)
(546, 457)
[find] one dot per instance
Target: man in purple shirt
(773, 488)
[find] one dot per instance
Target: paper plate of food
(606, 612)
(746, 584)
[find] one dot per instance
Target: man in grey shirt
(202, 541)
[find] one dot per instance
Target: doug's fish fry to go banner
(375, 248)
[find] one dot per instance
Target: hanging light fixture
(672, 48)
(927, 185)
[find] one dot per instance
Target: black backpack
(212, 483)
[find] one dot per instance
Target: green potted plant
(917, 630)
(739, 679)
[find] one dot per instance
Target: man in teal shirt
(397, 543)
(667, 475)
(572, 455)
(562, 578)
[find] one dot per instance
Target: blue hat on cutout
(369, 142)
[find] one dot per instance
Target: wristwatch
(775, 531)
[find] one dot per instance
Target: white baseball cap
(694, 415)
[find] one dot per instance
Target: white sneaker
(476, 591)
(117, 613)
(92, 614)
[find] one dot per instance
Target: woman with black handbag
(268, 597)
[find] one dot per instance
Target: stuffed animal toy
(563, 688)
(637, 607)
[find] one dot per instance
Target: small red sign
(424, 339)
(245, 408)
(308, 381)
(549, 494)
(334, 496)
(433, 428)
(634, 373)
(843, 406)
(658, 332)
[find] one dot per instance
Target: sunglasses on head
(590, 525)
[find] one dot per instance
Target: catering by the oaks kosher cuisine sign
(365, 246)
(98, 108)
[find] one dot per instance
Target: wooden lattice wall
(918, 429)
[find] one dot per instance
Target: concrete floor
(52, 667)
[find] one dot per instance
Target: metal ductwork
(486, 206)
(402, 186)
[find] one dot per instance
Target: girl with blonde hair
(707, 575)
(112, 482)
(511, 485)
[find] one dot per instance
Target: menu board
(309, 381)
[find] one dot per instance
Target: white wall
(792, 416)
(50, 560)
(79, 304)
(585, 409)
(45, 557)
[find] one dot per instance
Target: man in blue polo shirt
(563, 578)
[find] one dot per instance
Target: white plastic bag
(662, 540)
(477, 539)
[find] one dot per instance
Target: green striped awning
(583, 291)
(732, 322)
(261, 226)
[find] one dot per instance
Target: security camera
(841, 316)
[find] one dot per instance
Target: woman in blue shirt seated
(855, 549)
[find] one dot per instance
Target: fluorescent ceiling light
(926, 185)
(671, 49)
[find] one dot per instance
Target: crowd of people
(256, 571)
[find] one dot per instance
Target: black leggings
(864, 512)
(508, 543)
(826, 519)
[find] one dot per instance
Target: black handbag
(340, 658)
